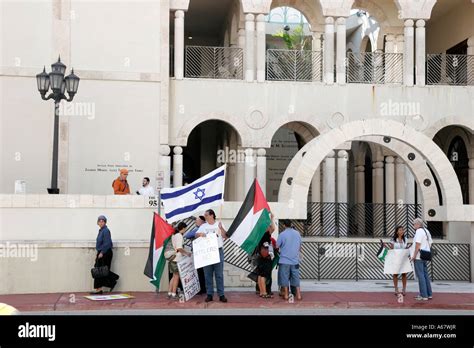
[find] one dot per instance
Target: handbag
(100, 272)
(170, 252)
(426, 255)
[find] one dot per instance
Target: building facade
(359, 124)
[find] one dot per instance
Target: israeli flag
(204, 193)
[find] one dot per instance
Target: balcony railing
(450, 69)
(214, 62)
(376, 68)
(294, 65)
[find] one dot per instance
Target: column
(400, 192)
(262, 170)
(470, 62)
(390, 69)
(341, 51)
(249, 170)
(249, 47)
(260, 47)
(242, 38)
(408, 53)
(471, 181)
(179, 44)
(389, 180)
(177, 166)
(342, 193)
(328, 51)
(165, 165)
(317, 59)
(239, 175)
(378, 198)
(420, 52)
(329, 195)
(316, 204)
(359, 173)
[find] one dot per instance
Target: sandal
(266, 296)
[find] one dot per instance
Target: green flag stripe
(257, 233)
(160, 265)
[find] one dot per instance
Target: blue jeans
(288, 274)
(218, 270)
(424, 283)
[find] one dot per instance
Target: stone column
(342, 193)
(420, 52)
(341, 51)
(260, 48)
(179, 44)
(239, 175)
(378, 198)
(165, 164)
(408, 53)
(360, 199)
(249, 169)
(317, 62)
(389, 180)
(400, 192)
(470, 62)
(329, 194)
(177, 166)
(241, 41)
(390, 69)
(249, 53)
(316, 204)
(328, 51)
(262, 170)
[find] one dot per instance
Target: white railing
(374, 67)
(294, 65)
(214, 62)
(450, 69)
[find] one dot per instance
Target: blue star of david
(199, 194)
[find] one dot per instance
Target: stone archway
(297, 178)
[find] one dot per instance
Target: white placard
(206, 251)
(189, 277)
(397, 262)
(20, 186)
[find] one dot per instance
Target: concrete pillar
(329, 194)
(408, 53)
(341, 51)
(360, 199)
(389, 180)
(470, 62)
(239, 175)
(179, 44)
(400, 196)
(390, 69)
(260, 25)
(420, 52)
(316, 186)
(249, 171)
(241, 39)
(177, 166)
(317, 62)
(249, 53)
(262, 170)
(328, 51)
(342, 195)
(471, 181)
(165, 165)
(316, 205)
(378, 198)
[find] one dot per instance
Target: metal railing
(450, 69)
(214, 62)
(374, 67)
(294, 65)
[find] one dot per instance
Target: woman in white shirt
(399, 241)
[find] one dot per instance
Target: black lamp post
(59, 84)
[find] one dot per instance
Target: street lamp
(59, 85)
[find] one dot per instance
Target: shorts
(288, 274)
(173, 267)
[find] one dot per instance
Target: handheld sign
(206, 251)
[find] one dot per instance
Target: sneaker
(208, 298)
(430, 297)
(419, 298)
(222, 298)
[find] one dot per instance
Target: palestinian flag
(160, 236)
(251, 221)
(382, 252)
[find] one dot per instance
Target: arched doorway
(457, 154)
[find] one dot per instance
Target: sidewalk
(241, 300)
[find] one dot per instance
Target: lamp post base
(53, 191)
